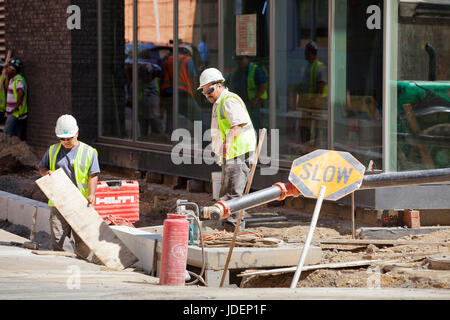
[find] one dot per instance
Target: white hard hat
(210, 75)
(66, 126)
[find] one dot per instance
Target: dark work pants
(60, 236)
(235, 180)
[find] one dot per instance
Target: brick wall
(36, 32)
(60, 65)
(84, 71)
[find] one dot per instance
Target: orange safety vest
(184, 83)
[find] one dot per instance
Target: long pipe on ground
(280, 191)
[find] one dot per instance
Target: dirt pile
(16, 155)
(404, 266)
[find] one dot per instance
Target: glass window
(423, 87)
(154, 106)
(116, 73)
(357, 83)
(246, 56)
(301, 64)
(197, 50)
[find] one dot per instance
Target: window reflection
(246, 56)
(302, 76)
(358, 72)
(423, 91)
(116, 72)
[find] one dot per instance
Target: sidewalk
(24, 275)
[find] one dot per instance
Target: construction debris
(314, 267)
(439, 262)
(243, 239)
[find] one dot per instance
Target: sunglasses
(209, 90)
(66, 139)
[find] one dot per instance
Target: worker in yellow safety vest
(16, 109)
(316, 75)
(232, 135)
(80, 162)
(249, 81)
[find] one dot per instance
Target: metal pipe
(223, 209)
(406, 178)
(280, 191)
(254, 199)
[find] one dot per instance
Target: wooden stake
(3, 76)
(241, 213)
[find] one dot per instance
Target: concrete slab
(19, 210)
(3, 208)
(43, 218)
(141, 243)
(250, 257)
(395, 232)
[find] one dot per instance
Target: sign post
(324, 174)
(309, 237)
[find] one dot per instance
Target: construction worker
(232, 134)
(250, 83)
(16, 110)
(312, 93)
(79, 161)
(315, 78)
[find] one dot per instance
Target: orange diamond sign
(338, 171)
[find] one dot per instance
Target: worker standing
(16, 100)
(314, 80)
(80, 162)
(232, 134)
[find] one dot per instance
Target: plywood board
(85, 221)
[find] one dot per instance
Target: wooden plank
(3, 76)
(379, 242)
(85, 221)
(315, 267)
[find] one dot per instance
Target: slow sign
(338, 171)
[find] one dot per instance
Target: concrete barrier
(19, 210)
(141, 243)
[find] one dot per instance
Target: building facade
(378, 85)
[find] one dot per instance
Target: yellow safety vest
(80, 167)
(313, 79)
(246, 140)
(252, 89)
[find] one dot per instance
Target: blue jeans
(12, 126)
